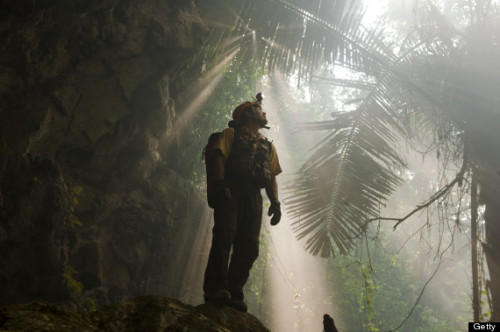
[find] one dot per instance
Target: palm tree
(443, 80)
(451, 76)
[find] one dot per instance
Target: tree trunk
(476, 306)
(492, 248)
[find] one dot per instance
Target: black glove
(222, 192)
(275, 211)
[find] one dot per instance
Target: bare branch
(437, 195)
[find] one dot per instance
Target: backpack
(262, 167)
(208, 156)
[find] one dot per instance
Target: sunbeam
(300, 291)
(205, 87)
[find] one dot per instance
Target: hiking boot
(238, 305)
(220, 296)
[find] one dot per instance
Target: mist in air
(385, 117)
(401, 259)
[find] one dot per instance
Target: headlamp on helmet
(238, 112)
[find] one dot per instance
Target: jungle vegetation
(421, 81)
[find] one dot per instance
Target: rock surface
(91, 209)
(146, 313)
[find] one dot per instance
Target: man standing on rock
(244, 162)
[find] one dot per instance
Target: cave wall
(90, 92)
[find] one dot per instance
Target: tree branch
(437, 195)
(421, 293)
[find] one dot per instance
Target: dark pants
(236, 225)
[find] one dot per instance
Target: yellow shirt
(225, 144)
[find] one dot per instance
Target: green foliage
(73, 220)
(374, 294)
(73, 286)
(75, 289)
(77, 190)
(424, 87)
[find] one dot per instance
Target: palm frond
(345, 179)
(356, 84)
(298, 36)
(352, 170)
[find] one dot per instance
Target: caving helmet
(239, 112)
